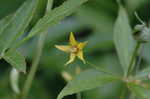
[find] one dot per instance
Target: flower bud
(142, 33)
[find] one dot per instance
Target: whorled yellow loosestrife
(74, 48)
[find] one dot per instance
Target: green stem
(102, 69)
(131, 65)
(139, 59)
(123, 92)
(35, 63)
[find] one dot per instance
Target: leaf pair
(14, 26)
(53, 17)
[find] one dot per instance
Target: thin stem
(35, 63)
(139, 18)
(131, 65)
(101, 69)
(139, 59)
(79, 96)
(123, 92)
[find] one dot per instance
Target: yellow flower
(74, 48)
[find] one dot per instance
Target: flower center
(74, 49)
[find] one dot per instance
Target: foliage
(117, 66)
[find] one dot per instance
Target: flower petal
(64, 48)
(72, 57)
(72, 39)
(80, 56)
(82, 45)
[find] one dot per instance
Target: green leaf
(55, 16)
(16, 60)
(4, 22)
(144, 74)
(139, 91)
(123, 39)
(86, 80)
(17, 24)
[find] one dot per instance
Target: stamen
(74, 49)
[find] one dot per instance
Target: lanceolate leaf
(139, 91)
(86, 80)
(16, 60)
(17, 24)
(123, 39)
(55, 16)
(4, 22)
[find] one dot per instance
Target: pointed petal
(72, 39)
(72, 57)
(82, 45)
(64, 48)
(80, 56)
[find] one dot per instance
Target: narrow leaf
(4, 22)
(86, 80)
(17, 24)
(139, 91)
(16, 60)
(55, 16)
(123, 39)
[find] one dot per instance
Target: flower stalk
(133, 58)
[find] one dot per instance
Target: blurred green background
(93, 22)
